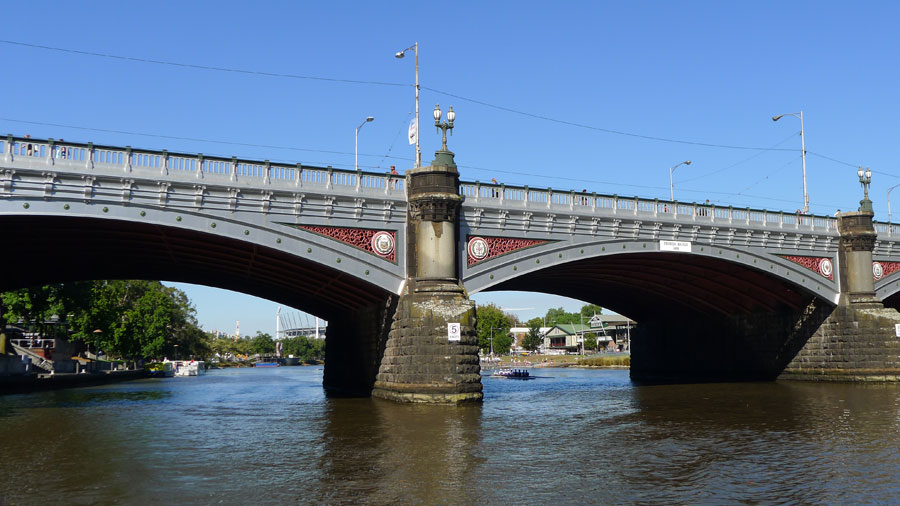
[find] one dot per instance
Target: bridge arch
(633, 276)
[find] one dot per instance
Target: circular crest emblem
(383, 243)
(478, 248)
(877, 270)
(825, 267)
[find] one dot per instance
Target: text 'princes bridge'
(719, 293)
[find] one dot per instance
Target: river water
(270, 436)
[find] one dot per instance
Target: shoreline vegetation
(617, 361)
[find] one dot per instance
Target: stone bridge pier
(860, 339)
(431, 354)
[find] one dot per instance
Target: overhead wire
(381, 83)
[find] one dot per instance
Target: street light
(447, 125)
(401, 54)
(865, 178)
(889, 201)
(356, 151)
(802, 154)
(671, 186)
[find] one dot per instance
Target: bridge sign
(675, 246)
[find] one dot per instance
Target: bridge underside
(45, 249)
(698, 318)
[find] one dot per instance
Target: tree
(556, 316)
(535, 322)
(128, 319)
(493, 322)
(589, 310)
(590, 341)
(304, 348)
(533, 339)
(263, 344)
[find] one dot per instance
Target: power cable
(201, 67)
(599, 129)
(379, 83)
(751, 157)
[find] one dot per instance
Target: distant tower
(237, 330)
(277, 322)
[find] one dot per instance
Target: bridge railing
(39, 153)
(511, 197)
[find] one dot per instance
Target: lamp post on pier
(865, 178)
(802, 154)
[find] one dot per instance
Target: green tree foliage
(493, 321)
(532, 341)
(228, 345)
(589, 310)
(126, 319)
(559, 315)
(590, 341)
(262, 344)
(535, 322)
(304, 348)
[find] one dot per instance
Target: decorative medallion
(383, 243)
(826, 268)
(884, 269)
(377, 242)
(478, 248)
(482, 249)
(820, 265)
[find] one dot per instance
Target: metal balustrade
(79, 157)
(512, 197)
(35, 153)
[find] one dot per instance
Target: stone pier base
(857, 342)
(420, 364)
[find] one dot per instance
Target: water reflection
(740, 441)
(388, 453)
(569, 437)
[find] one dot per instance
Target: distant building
(519, 333)
(612, 331)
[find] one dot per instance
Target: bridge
(389, 260)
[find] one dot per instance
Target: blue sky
(604, 96)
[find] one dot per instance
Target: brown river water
(571, 436)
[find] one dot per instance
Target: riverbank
(23, 384)
(598, 361)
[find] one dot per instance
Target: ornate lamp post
(447, 125)
(865, 178)
(401, 54)
(802, 155)
(671, 186)
(356, 151)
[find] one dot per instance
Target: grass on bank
(617, 360)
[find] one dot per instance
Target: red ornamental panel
(381, 243)
(884, 269)
(481, 249)
(821, 265)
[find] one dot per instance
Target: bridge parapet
(500, 196)
(48, 154)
